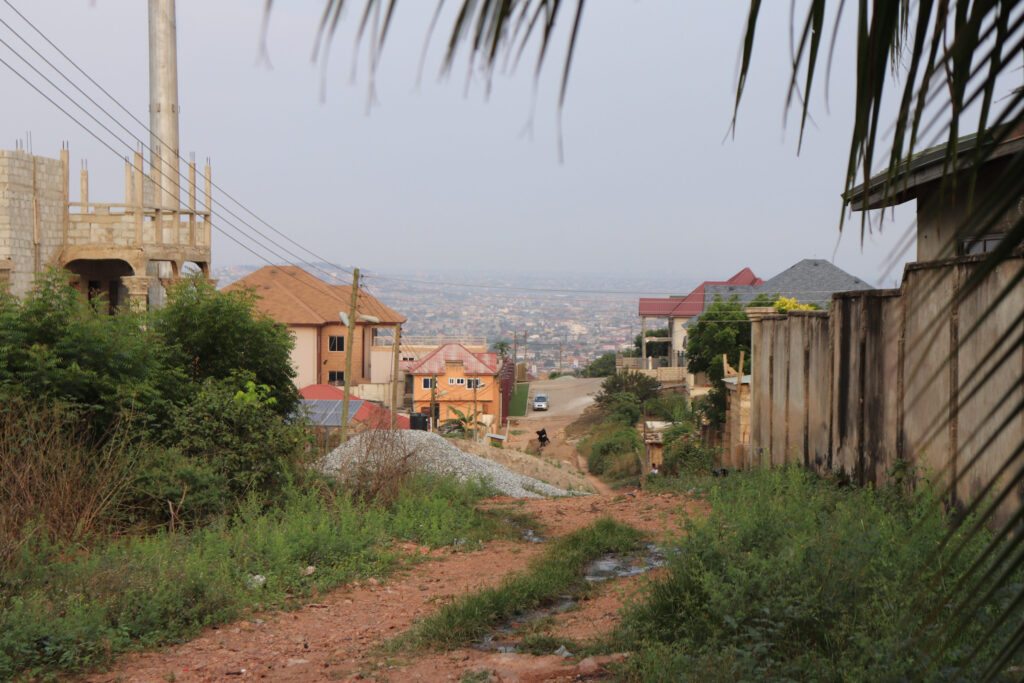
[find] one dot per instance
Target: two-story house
(452, 376)
(310, 308)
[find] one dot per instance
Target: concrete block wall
(31, 192)
(928, 375)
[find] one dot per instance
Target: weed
(558, 571)
(793, 578)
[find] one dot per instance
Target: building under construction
(122, 252)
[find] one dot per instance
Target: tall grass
(55, 478)
(794, 578)
(66, 609)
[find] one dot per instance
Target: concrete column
(138, 290)
(163, 103)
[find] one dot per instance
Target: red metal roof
(472, 363)
(692, 304)
(378, 417)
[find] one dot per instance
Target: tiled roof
(472, 363)
(290, 295)
(693, 303)
(808, 281)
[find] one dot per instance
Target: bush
(688, 456)
(231, 428)
(670, 408)
(792, 578)
(615, 453)
(636, 383)
(624, 408)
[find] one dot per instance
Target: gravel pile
(436, 454)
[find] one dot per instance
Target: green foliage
(216, 335)
(65, 611)
(239, 436)
(722, 329)
(54, 345)
(792, 578)
(670, 408)
(602, 366)
(655, 349)
(559, 570)
(501, 348)
(613, 452)
(676, 432)
(687, 456)
(463, 422)
(624, 408)
(640, 385)
(763, 299)
(712, 406)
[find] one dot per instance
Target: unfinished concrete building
(122, 252)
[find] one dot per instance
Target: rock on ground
(433, 453)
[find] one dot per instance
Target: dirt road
(336, 636)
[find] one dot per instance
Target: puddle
(528, 535)
(612, 566)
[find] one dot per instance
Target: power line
(175, 181)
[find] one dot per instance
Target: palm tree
(501, 348)
(949, 58)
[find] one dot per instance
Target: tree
(602, 366)
(217, 335)
(641, 386)
(723, 328)
(655, 349)
(501, 348)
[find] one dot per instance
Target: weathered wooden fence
(919, 375)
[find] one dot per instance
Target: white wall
(304, 356)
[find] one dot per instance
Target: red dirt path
(332, 637)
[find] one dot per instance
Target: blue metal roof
(327, 413)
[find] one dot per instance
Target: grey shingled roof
(809, 281)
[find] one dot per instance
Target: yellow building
(453, 377)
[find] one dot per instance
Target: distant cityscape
(564, 324)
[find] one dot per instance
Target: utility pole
(394, 373)
(475, 382)
(515, 357)
(348, 353)
(433, 398)
(524, 348)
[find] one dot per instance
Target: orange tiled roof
(290, 295)
(472, 363)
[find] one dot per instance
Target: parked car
(540, 402)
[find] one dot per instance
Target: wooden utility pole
(475, 382)
(394, 373)
(433, 398)
(515, 357)
(524, 350)
(348, 353)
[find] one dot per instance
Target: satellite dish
(343, 317)
(369, 318)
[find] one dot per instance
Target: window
(426, 382)
(451, 381)
(336, 377)
(336, 343)
(461, 381)
(474, 383)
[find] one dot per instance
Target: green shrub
(640, 385)
(687, 455)
(670, 408)
(615, 453)
(676, 432)
(624, 408)
(792, 578)
(238, 437)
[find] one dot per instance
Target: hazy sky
(436, 176)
